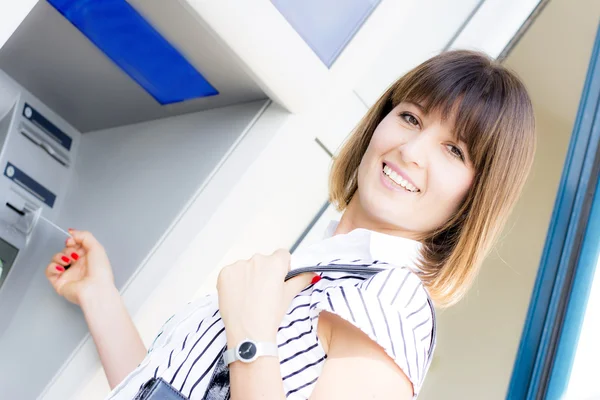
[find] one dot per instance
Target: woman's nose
(416, 149)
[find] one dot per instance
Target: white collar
(358, 244)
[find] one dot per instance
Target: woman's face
(413, 176)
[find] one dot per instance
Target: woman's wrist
(236, 335)
(92, 295)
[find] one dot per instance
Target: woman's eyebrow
(417, 105)
(458, 136)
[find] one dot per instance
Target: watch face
(247, 351)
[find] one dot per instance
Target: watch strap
(262, 349)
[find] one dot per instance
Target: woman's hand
(253, 297)
(89, 267)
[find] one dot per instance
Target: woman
(426, 182)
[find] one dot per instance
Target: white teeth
(398, 179)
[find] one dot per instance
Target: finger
(85, 239)
(283, 255)
(62, 259)
(72, 247)
(70, 242)
(298, 284)
(282, 259)
(54, 271)
(74, 253)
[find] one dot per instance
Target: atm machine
(85, 145)
(37, 158)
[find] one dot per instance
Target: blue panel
(576, 183)
(137, 48)
(326, 25)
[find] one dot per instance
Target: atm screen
(8, 254)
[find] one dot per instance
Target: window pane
(583, 382)
(326, 25)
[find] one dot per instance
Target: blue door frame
(561, 289)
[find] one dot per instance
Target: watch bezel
(239, 346)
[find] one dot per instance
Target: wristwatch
(248, 350)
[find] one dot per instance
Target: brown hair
(493, 115)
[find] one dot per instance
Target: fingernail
(60, 268)
(315, 280)
(65, 259)
(75, 256)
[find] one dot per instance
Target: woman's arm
(117, 340)
(253, 299)
(260, 379)
(89, 283)
(356, 368)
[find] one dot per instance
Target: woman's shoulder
(402, 288)
(393, 309)
(397, 286)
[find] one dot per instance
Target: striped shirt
(392, 307)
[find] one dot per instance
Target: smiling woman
(457, 133)
(425, 181)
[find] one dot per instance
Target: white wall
(422, 29)
(426, 27)
(12, 13)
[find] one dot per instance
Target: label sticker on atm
(29, 184)
(47, 127)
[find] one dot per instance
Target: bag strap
(365, 270)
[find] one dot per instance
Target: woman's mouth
(398, 181)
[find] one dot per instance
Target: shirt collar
(362, 244)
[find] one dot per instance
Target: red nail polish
(60, 268)
(75, 256)
(65, 259)
(315, 280)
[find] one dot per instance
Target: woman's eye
(456, 152)
(411, 119)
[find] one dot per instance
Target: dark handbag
(158, 389)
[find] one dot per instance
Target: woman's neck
(354, 218)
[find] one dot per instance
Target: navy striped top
(392, 307)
